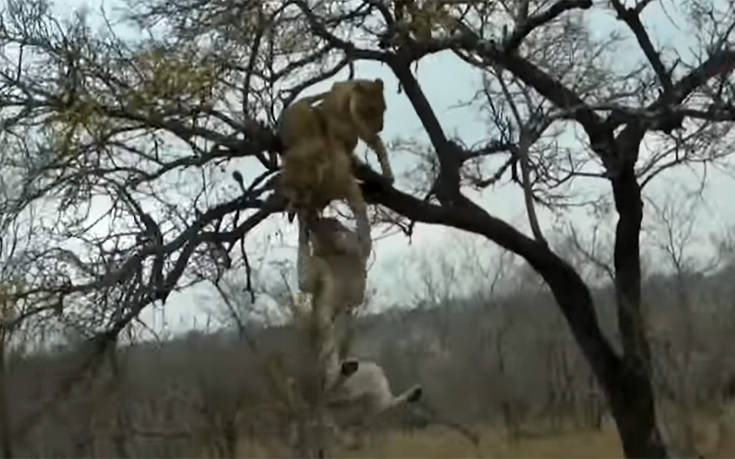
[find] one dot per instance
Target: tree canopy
(119, 134)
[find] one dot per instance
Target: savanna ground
(438, 442)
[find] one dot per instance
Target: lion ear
(379, 83)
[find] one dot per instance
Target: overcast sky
(448, 81)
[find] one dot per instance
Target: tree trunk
(632, 398)
(6, 445)
(122, 426)
(626, 385)
(628, 270)
(632, 406)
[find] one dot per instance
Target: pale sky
(448, 81)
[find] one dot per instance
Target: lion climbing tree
(319, 134)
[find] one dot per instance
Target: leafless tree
(91, 117)
(679, 346)
(19, 320)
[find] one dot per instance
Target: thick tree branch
(491, 148)
(450, 158)
(720, 63)
(579, 310)
(631, 16)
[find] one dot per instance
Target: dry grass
(437, 442)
